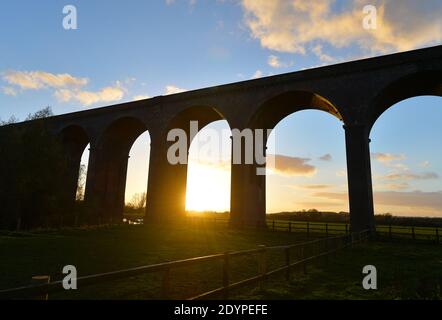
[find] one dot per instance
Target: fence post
(326, 230)
(273, 225)
(287, 263)
(262, 265)
(165, 285)
(290, 226)
(346, 228)
(413, 235)
(41, 280)
(437, 235)
(308, 230)
(389, 232)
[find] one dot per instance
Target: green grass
(401, 266)
(405, 271)
(107, 249)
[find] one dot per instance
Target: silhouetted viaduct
(355, 92)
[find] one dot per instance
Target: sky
(128, 50)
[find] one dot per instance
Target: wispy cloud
(9, 91)
(387, 157)
(140, 97)
(326, 157)
(87, 98)
(66, 87)
(413, 199)
(172, 89)
(275, 62)
(410, 176)
(34, 80)
(257, 74)
(314, 186)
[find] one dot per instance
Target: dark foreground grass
(98, 250)
(404, 270)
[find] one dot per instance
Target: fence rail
(308, 251)
(428, 234)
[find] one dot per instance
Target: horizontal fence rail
(423, 234)
(308, 251)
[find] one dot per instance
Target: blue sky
(125, 50)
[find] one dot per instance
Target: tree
(81, 183)
(138, 201)
(33, 170)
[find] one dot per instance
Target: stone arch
(166, 199)
(278, 107)
(74, 139)
(248, 204)
(106, 181)
(413, 85)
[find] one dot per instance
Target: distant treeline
(380, 219)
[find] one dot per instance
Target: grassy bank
(403, 268)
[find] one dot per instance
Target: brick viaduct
(356, 92)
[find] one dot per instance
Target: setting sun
(208, 188)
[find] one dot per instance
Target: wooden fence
(308, 251)
(387, 232)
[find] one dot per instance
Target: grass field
(402, 267)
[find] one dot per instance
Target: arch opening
(407, 159)
(170, 181)
(306, 174)
(209, 170)
(137, 179)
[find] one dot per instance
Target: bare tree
(138, 201)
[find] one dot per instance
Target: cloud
(425, 164)
(66, 87)
(392, 186)
(341, 173)
(140, 97)
(275, 62)
(257, 74)
(290, 166)
(317, 50)
(34, 80)
(314, 186)
(87, 98)
(297, 26)
(411, 176)
(387, 157)
(171, 89)
(9, 91)
(326, 157)
(413, 199)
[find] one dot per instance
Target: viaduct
(356, 92)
